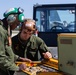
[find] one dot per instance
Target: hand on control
(22, 66)
(25, 59)
(47, 55)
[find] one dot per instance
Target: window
(55, 19)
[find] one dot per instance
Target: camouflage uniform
(6, 54)
(29, 48)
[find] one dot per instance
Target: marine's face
(27, 31)
(24, 35)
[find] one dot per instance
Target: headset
(12, 13)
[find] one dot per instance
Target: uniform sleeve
(16, 57)
(4, 59)
(42, 46)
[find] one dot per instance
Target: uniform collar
(4, 23)
(31, 38)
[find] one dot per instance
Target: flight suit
(29, 48)
(7, 57)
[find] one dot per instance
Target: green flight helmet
(13, 11)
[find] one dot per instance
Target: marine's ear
(11, 18)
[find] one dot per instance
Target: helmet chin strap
(8, 30)
(9, 36)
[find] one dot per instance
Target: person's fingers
(47, 55)
(22, 66)
(43, 53)
(25, 59)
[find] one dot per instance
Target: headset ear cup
(11, 18)
(21, 17)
